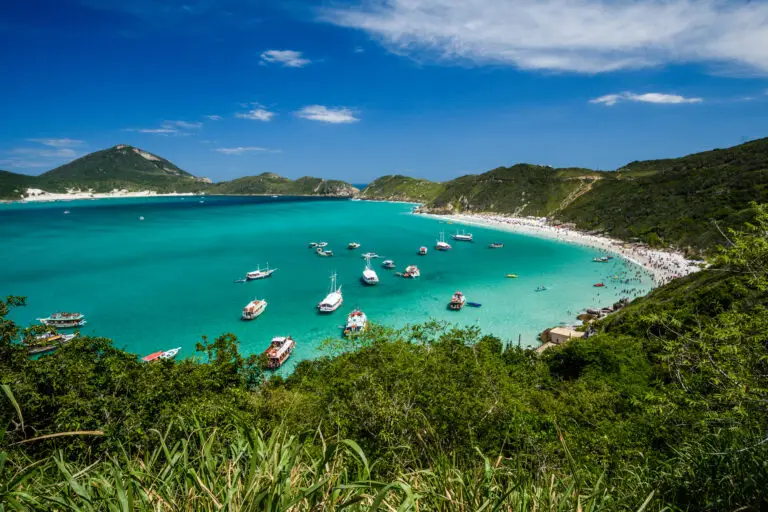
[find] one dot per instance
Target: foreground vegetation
(663, 409)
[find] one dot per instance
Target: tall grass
(214, 470)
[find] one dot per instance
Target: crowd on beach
(663, 265)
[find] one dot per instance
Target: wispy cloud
(328, 114)
(649, 97)
(285, 58)
(58, 143)
(214, 118)
(240, 150)
(168, 128)
(359, 49)
(45, 153)
(258, 113)
(585, 36)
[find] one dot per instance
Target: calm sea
(168, 279)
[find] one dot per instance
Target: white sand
(663, 265)
(37, 195)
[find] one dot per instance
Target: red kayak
(151, 357)
(598, 285)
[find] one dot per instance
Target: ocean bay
(167, 280)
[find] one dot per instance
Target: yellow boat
(512, 276)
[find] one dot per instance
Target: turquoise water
(169, 279)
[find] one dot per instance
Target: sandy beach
(663, 265)
(38, 195)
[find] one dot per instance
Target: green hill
(12, 185)
(522, 189)
(402, 188)
(683, 202)
(271, 183)
(120, 167)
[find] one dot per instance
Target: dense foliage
(271, 183)
(680, 201)
(12, 185)
(402, 188)
(663, 409)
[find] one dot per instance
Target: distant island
(673, 202)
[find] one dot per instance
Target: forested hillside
(663, 409)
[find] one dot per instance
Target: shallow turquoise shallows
(168, 279)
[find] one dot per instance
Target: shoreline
(40, 196)
(662, 265)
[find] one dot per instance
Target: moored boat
(170, 354)
(322, 244)
(278, 352)
(254, 308)
(64, 320)
(154, 356)
(47, 342)
(357, 322)
(495, 245)
(411, 271)
(371, 255)
(321, 252)
(388, 264)
(333, 300)
(353, 245)
(598, 285)
(600, 259)
(369, 275)
(457, 301)
(462, 237)
(511, 276)
(260, 274)
(442, 245)
(422, 251)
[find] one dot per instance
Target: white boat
(601, 259)
(312, 245)
(411, 271)
(321, 252)
(274, 197)
(279, 351)
(64, 320)
(495, 245)
(322, 244)
(170, 354)
(462, 237)
(260, 274)
(369, 275)
(353, 245)
(333, 300)
(66, 212)
(442, 245)
(422, 251)
(371, 255)
(389, 264)
(457, 301)
(357, 322)
(254, 308)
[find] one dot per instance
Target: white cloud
(359, 49)
(286, 58)
(214, 118)
(328, 115)
(45, 153)
(18, 163)
(586, 36)
(649, 97)
(58, 143)
(184, 125)
(257, 114)
(240, 150)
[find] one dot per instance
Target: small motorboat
(322, 244)
(241, 280)
(321, 252)
(411, 272)
(312, 245)
(422, 251)
(388, 264)
(474, 304)
(370, 255)
(274, 197)
(541, 288)
(353, 245)
(170, 354)
(457, 301)
(495, 245)
(601, 259)
(141, 217)
(598, 285)
(511, 276)
(254, 308)
(66, 212)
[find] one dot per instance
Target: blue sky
(354, 89)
